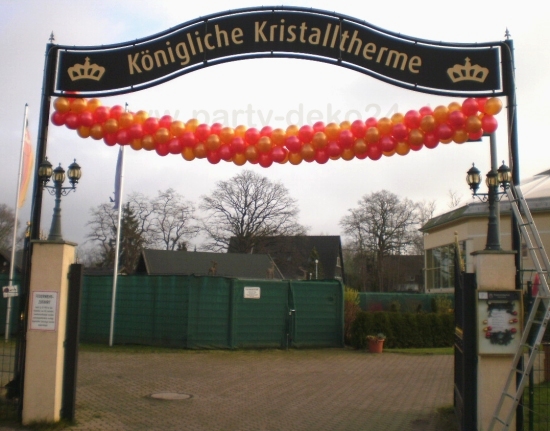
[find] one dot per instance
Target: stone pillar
(495, 270)
(47, 315)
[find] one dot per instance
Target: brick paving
(271, 390)
(295, 390)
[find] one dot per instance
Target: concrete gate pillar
(47, 313)
(495, 270)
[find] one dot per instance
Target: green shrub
(351, 308)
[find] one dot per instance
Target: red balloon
(358, 128)
(400, 132)
(58, 118)
(362, 156)
(225, 152)
(443, 131)
(165, 121)
(116, 111)
(387, 144)
(251, 136)
(150, 125)
(371, 122)
(305, 134)
(319, 126)
(457, 119)
(86, 119)
(188, 139)
(333, 149)
(161, 149)
(346, 138)
(489, 123)
(175, 146)
(264, 160)
(475, 136)
(321, 156)
(412, 119)
(71, 121)
(102, 114)
(122, 137)
(213, 157)
(109, 139)
(470, 106)
(430, 140)
(415, 146)
(278, 154)
(135, 131)
(481, 103)
(425, 110)
(238, 145)
(266, 131)
(216, 128)
(293, 144)
(374, 151)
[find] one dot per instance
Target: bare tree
(102, 222)
(454, 199)
(425, 211)
(248, 207)
(380, 226)
(7, 220)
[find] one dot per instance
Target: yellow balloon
(308, 153)
(460, 136)
(348, 154)
(345, 125)
(454, 106)
(140, 117)
(264, 144)
(278, 137)
(62, 104)
(227, 134)
(110, 126)
(292, 130)
(384, 126)
(372, 135)
(397, 118)
(188, 154)
(191, 125)
(239, 159)
(200, 151)
(332, 130)
(428, 123)
(177, 128)
(441, 113)
(79, 105)
(446, 141)
(96, 132)
(492, 106)
(148, 143)
(136, 144)
(295, 158)
(162, 135)
(93, 104)
(240, 131)
(83, 132)
(360, 146)
(319, 140)
(402, 148)
(416, 137)
(389, 153)
(125, 120)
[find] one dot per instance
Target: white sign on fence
(10, 291)
(44, 311)
(252, 292)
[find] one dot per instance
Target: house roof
(167, 262)
(536, 191)
(292, 253)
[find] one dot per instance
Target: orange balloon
(308, 152)
(227, 134)
(441, 113)
(125, 120)
(292, 130)
(347, 154)
(162, 135)
(191, 125)
(177, 128)
(388, 153)
(148, 143)
(454, 106)
(416, 137)
(360, 146)
(213, 142)
(251, 153)
(62, 104)
(239, 159)
(110, 126)
(240, 131)
(345, 125)
(473, 124)
(428, 123)
(140, 117)
(446, 141)
(93, 104)
(136, 144)
(460, 136)
(319, 140)
(200, 151)
(188, 154)
(402, 148)
(295, 158)
(334, 157)
(384, 126)
(332, 130)
(79, 105)
(96, 132)
(397, 118)
(492, 106)
(83, 132)
(264, 144)
(278, 137)
(372, 135)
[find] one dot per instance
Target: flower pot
(376, 346)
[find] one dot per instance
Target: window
(440, 266)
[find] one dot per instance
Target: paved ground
(295, 390)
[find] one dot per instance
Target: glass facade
(440, 266)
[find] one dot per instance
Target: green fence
(14, 315)
(403, 302)
(213, 312)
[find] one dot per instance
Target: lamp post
(44, 174)
(502, 177)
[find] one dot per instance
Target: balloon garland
(359, 139)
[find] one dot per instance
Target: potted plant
(376, 342)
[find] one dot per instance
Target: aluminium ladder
(513, 389)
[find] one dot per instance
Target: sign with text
(44, 311)
(292, 32)
(252, 292)
(10, 291)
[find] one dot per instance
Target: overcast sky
(280, 90)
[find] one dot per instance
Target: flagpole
(16, 218)
(118, 202)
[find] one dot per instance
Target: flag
(27, 163)
(118, 177)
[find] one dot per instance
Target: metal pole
(55, 229)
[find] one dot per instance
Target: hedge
(404, 330)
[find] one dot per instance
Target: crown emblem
(467, 72)
(86, 71)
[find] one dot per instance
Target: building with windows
(469, 223)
